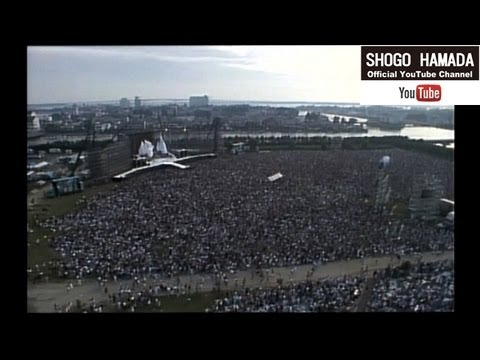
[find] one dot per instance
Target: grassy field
(400, 210)
(190, 303)
(38, 238)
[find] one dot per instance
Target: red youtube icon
(428, 92)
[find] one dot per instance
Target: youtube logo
(428, 92)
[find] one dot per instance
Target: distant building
(196, 101)
(33, 121)
(124, 103)
(238, 148)
(138, 103)
(169, 110)
(203, 114)
(102, 127)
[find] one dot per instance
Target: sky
(241, 73)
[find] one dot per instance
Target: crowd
(330, 295)
(223, 215)
(137, 296)
(420, 287)
(417, 288)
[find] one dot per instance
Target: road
(42, 297)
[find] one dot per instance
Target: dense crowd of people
(224, 215)
(327, 295)
(135, 297)
(421, 287)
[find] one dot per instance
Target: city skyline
(62, 74)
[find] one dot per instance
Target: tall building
(138, 103)
(196, 101)
(124, 103)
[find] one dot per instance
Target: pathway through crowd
(44, 297)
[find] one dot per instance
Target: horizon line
(213, 100)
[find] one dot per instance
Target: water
(74, 138)
(427, 133)
(414, 133)
(157, 102)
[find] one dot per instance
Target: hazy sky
(264, 73)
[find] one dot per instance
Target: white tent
(451, 216)
(384, 162)
(39, 165)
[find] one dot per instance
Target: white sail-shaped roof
(141, 150)
(161, 146)
(148, 148)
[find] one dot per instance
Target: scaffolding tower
(425, 200)
(383, 191)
